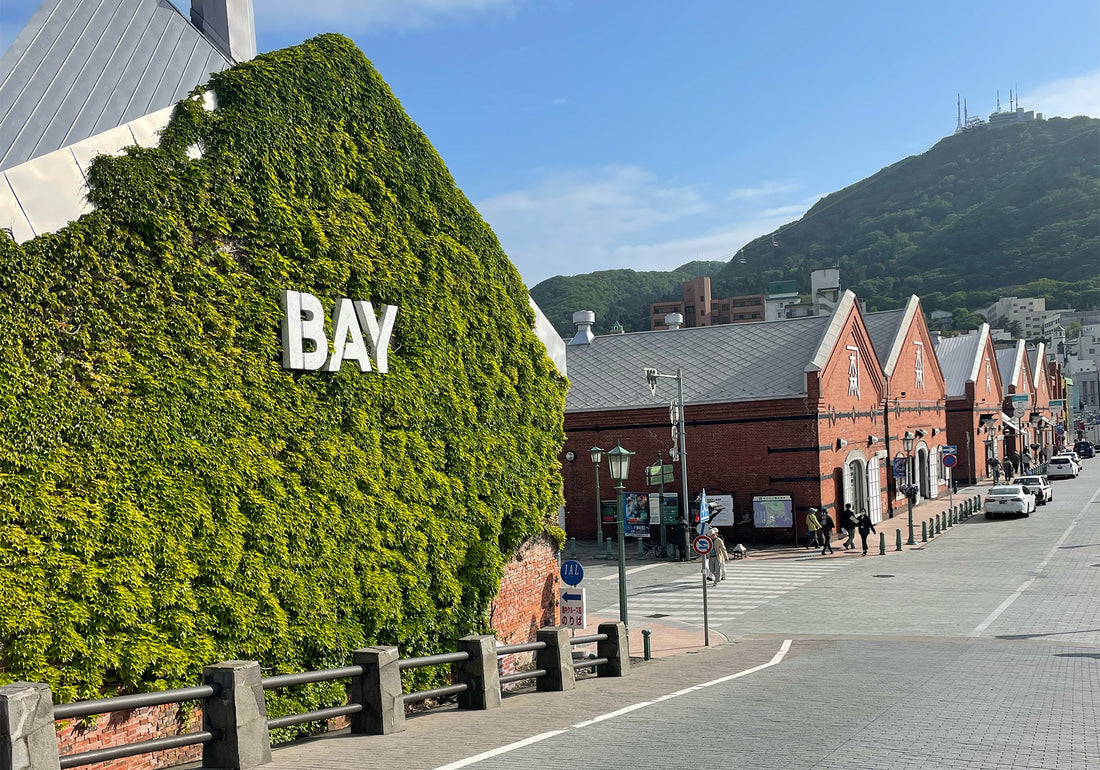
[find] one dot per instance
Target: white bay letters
(358, 334)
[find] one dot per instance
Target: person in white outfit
(718, 557)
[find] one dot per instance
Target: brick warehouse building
(974, 398)
(916, 399)
(773, 408)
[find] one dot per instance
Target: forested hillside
(990, 212)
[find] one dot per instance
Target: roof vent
(584, 320)
(673, 320)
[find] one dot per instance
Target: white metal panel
(108, 143)
(50, 190)
(874, 489)
(11, 214)
(146, 129)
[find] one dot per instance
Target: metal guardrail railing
(80, 709)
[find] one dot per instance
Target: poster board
(636, 514)
(723, 504)
(771, 511)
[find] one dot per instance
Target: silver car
(1038, 486)
(1010, 498)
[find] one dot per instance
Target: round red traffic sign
(950, 460)
(702, 545)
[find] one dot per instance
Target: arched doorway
(924, 482)
(855, 480)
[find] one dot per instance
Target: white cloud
(1067, 97)
(762, 190)
(612, 217)
(357, 15)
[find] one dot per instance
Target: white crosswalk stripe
(746, 587)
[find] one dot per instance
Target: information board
(669, 509)
(772, 511)
(574, 608)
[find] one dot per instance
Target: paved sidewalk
(587, 551)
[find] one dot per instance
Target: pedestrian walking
(1009, 469)
(865, 526)
(848, 526)
(995, 469)
(679, 538)
(827, 527)
(718, 557)
(813, 529)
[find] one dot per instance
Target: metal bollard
(947, 523)
(882, 543)
(924, 531)
(607, 548)
(931, 529)
(640, 551)
(572, 548)
(898, 546)
(647, 651)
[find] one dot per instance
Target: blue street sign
(572, 597)
(950, 449)
(572, 573)
(702, 545)
(950, 460)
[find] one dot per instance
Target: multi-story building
(699, 308)
(1035, 321)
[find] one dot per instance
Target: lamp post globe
(618, 460)
(597, 457)
(907, 442)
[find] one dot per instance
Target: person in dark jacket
(848, 526)
(679, 538)
(864, 525)
(827, 527)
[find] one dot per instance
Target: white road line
(630, 571)
(1027, 583)
(776, 659)
(498, 751)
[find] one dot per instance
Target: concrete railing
(236, 729)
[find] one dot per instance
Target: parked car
(1038, 486)
(1010, 498)
(1084, 449)
(1062, 467)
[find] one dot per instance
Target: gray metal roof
(883, 327)
(1009, 361)
(957, 357)
(734, 362)
(82, 67)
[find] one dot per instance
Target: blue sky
(641, 134)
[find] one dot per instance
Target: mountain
(992, 211)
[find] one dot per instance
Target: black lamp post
(597, 455)
(619, 461)
(907, 442)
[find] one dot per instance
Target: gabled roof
(887, 329)
(1010, 360)
(960, 359)
(721, 364)
(832, 332)
(82, 67)
(1037, 358)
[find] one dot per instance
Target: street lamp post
(597, 455)
(907, 442)
(618, 459)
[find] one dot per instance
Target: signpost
(702, 545)
(950, 449)
(574, 608)
(949, 462)
(573, 601)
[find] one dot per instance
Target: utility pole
(680, 450)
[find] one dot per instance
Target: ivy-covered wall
(169, 494)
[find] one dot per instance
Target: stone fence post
(556, 659)
(379, 690)
(480, 672)
(615, 649)
(237, 716)
(27, 737)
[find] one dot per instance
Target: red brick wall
(130, 727)
(528, 597)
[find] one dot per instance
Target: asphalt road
(979, 650)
